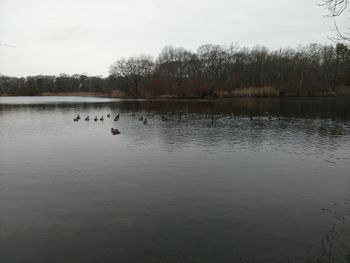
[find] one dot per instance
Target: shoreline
(70, 94)
(106, 95)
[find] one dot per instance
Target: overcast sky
(87, 36)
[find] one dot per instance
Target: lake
(239, 180)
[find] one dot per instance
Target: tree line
(211, 71)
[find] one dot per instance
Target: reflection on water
(187, 189)
(335, 108)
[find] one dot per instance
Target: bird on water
(115, 131)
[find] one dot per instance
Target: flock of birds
(166, 117)
(114, 131)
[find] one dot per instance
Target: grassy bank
(253, 92)
(270, 92)
(249, 92)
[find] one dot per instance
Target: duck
(141, 118)
(115, 131)
(76, 119)
(95, 119)
(87, 118)
(108, 115)
(116, 117)
(101, 119)
(145, 121)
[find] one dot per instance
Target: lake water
(182, 190)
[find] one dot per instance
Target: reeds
(255, 92)
(118, 94)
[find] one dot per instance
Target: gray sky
(87, 36)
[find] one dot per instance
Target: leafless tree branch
(340, 36)
(335, 7)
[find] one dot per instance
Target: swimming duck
(101, 119)
(76, 119)
(87, 118)
(108, 115)
(116, 117)
(145, 121)
(115, 131)
(95, 119)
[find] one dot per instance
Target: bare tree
(175, 64)
(133, 70)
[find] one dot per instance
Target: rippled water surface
(212, 186)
